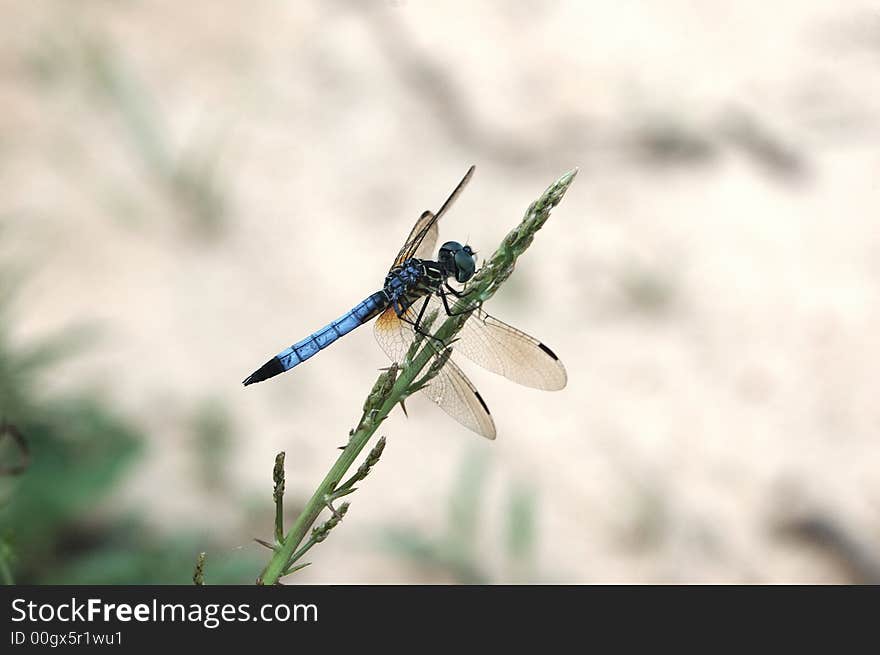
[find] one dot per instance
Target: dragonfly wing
(393, 335)
(450, 389)
(502, 349)
(456, 395)
(423, 237)
(429, 242)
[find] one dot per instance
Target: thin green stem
(278, 495)
(199, 571)
(348, 487)
(373, 417)
(299, 553)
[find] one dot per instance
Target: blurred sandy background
(197, 185)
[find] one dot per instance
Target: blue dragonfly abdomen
(317, 341)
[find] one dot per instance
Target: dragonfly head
(457, 260)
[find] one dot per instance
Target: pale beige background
(711, 281)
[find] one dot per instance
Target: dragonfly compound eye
(465, 265)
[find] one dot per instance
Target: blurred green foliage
(59, 519)
(212, 433)
(455, 553)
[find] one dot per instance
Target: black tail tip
(268, 370)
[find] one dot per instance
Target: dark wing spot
(482, 402)
(548, 351)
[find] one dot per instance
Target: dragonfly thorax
(404, 277)
(409, 280)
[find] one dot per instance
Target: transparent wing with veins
(422, 239)
(502, 349)
(450, 389)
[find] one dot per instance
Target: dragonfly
(416, 286)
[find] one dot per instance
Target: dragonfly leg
(451, 289)
(457, 295)
(417, 324)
